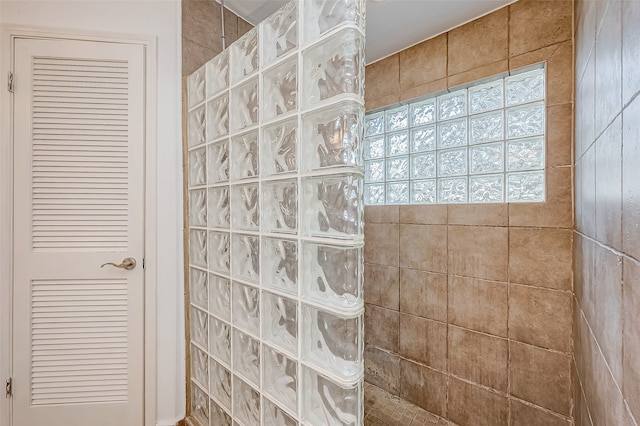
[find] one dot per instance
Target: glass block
(218, 162)
(280, 89)
(280, 264)
(244, 56)
(527, 187)
(374, 124)
(220, 341)
(196, 87)
(246, 357)
(218, 416)
(374, 194)
(453, 190)
(486, 127)
(452, 162)
(398, 143)
(325, 402)
(332, 343)
(486, 97)
(198, 291)
(218, 204)
(330, 206)
(525, 87)
(200, 367)
(486, 189)
(197, 167)
(525, 121)
(279, 148)
(220, 384)
(280, 380)
(423, 166)
(332, 137)
(198, 207)
(246, 308)
(199, 327)
(374, 171)
(423, 191)
(199, 404)
(280, 33)
(398, 193)
(333, 67)
(245, 207)
(398, 168)
(321, 16)
(423, 112)
(374, 147)
(280, 322)
(487, 158)
(397, 118)
(245, 257)
(273, 415)
(452, 105)
(198, 248)
(218, 74)
(452, 133)
(217, 117)
(246, 403)
(280, 206)
(525, 154)
(332, 275)
(423, 139)
(219, 246)
(244, 105)
(197, 127)
(220, 297)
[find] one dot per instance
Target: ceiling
(392, 25)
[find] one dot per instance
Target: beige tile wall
(469, 307)
(607, 238)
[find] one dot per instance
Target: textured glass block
(245, 207)
(398, 168)
(218, 162)
(486, 127)
(331, 137)
(246, 308)
(333, 67)
(280, 380)
(452, 190)
(220, 297)
(218, 74)
(244, 105)
(486, 97)
(197, 167)
(197, 127)
(525, 154)
(374, 147)
(397, 118)
(280, 33)
(218, 416)
(280, 264)
(279, 148)
(321, 16)
(331, 207)
(198, 292)
(325, 402)
(487, 158)
(244, 56)
(217, 117)
(452, 133)
(374, 124)
(398, 193)
(423, 191)
(423, 166)
(245, 257)
(196, 87)
(280, 322)
(198, 207)
(527, 187)
(332, 342)
(423, 139)
(374, 171)
(220, 341)
(525, 121)
(246, 357)
(398, 143)
(199, 327)
(274, 415)
(246, 403)
(218, 202)
(198, 248)
(452, 105)
(219, 246)
(200, 367)
(199, 404)
(220, 384)
(452, 162)
(280, 206)
(486, 189)
(280, 89)
(423, 112)
(332, 275)
(374, 194)
(525, 87)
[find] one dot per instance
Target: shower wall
(469, 307)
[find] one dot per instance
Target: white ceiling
(392, 25)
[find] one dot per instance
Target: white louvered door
(78, 329)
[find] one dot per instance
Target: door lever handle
(129, 263)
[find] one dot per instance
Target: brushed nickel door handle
(129, 263)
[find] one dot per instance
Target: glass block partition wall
(275, 183)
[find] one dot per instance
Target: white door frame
(7, 36)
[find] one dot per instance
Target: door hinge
(8, 389)
(10, 84)
(143, 262)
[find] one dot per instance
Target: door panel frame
(7, 36)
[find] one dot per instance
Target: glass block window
(481, 144)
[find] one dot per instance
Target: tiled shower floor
(383, 408)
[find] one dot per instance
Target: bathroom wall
(469, 307)
(607, 236)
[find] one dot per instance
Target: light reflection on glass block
(280, 322)
(398, 193)
(218, 162)
(423, 166)
(197, 167)
(398, 143)
(279, 148)
(220, 297)
(280, 33)
(245, 257)
(245, 207)
(452, 162)
(374, 171)
(452, 105)
(487, 158)
(218, 416)
(423, 138)
(321, 16)
(423, 112)
(280, 206)
(374, 147)
(244, 156)
(487, 189)
(220, 340)
(246, 357)
(525, 87)
(528, 187)
(198, 291)
(198, 207)
(397, 168)
(525, 121)
(200, 367)
(374, 194)
(219, 246)
(218, 74)
(280, 380)
(217, 117)
(198, 248)
(199, 404)
(487, 127)
(196, 87)
(246, 403)
(246, 308)
(452, 190)
(486, 97)
(423, 191)
(199, 327)
(328, 403)
(525, 154)
(280, 89)
(218, 205)
(452, 133)
(274, 415)
(243, 111)
(244, 55)
(374, 124)
(397, 118)
(220, 379)
(197, 127)
(280, 264)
